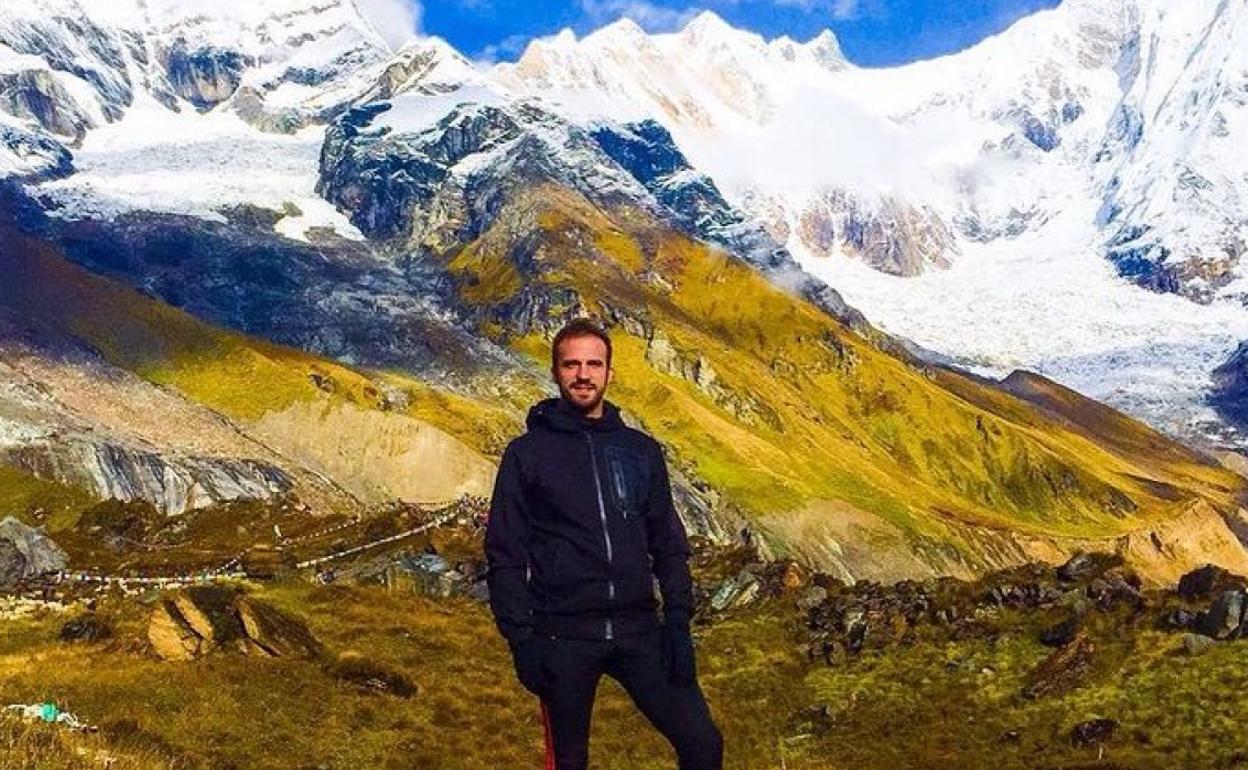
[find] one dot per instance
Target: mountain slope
(184, 416)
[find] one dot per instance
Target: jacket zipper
(602, 514)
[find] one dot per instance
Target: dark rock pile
(848, 619)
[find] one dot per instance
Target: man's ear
(610, 374)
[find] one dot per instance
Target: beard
(583, 401)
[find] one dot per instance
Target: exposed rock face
(204, 76)
(889, 234)
(36, 95)
(663, 357)
(172, 484)
(1229, 395)
(32, 154)
(338, 299)
(1065, 669)
(26, 552)
(202, 619)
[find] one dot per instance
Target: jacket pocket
(627, 480)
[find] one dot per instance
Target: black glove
(678, 653)
(529, 655)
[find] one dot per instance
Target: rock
(169, 635)
(812, 597)
(198, 620)
(1064, 670)
(1093, 732)
(1207, 580)
(1063, 632)
(1083, 566)
(1115, 587)
(1223, 619)
(12, 564)
(210, 613)
(86, 628)
(275, 632)
(1177, 620)
(1197, 644)
(735, 591)
(26, 552)
(792, 578)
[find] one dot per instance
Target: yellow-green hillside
(312, 411)
(800, 410)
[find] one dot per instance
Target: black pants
(678, 712)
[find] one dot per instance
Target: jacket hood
(558, 414)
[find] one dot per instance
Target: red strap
(550, 738)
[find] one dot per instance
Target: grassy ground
(231, 711)
(934, 703)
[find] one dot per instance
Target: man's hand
(678, 653)
(529, 655)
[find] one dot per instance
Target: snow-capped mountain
(268, 215)
(1015, 185)
(1000, 206)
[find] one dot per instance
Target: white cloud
(397, 21)
(650, 16)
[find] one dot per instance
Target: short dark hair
(579, 327)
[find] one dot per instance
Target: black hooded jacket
(581, 523)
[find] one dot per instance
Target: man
(581, 522)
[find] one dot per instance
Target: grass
(468, 712)
(933, 703)
(37, 501)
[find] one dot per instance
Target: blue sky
(873, 33)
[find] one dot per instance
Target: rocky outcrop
(26, 552)
(204, 76)
(29, 154)
(39, 96)
(173, 484)
(202, 619)
(696, 369)
(889, 234)
(1229, 395)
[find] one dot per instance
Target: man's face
(582, 374)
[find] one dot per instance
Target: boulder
(1224, 617)
(26, 552)
(201, 619)
(1196, 644)
(1084, 566)
(12, 564)
(276, 633)
(1206, 581)
(735, 591)
(169, 634)
(1064, 670)
(1062, 632)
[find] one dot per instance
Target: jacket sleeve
(668, 544)
(507, 554)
